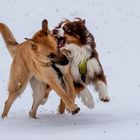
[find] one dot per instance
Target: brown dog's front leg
(61, 107)
(65, 97)
(69, 88)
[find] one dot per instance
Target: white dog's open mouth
(60, 39)
(61, 42)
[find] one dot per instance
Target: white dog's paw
(87, 98)
(104, 97)
(102, 90)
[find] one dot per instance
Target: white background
(115, 25)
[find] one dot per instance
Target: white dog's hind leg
(86, 98)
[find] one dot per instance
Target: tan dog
(33, 58)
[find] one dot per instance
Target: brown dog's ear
(33, 45)
(28, 39)
(45, 26)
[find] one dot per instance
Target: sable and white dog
(78, 45)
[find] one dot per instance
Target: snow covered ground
(116, 27)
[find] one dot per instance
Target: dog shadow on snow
(56, 123)
(54, 120)
(78, 120)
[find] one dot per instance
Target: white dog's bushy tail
(86, 98)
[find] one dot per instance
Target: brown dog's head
(71, 31)
(45, 46)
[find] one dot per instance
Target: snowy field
(116, 27)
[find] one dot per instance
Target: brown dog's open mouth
(61, 42)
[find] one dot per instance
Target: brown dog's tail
(9, 39)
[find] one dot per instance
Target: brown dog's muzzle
(62, 59)
(59, 59)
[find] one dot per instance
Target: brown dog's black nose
(55, 31)
(64, 61)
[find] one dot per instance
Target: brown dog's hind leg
(36, 103)
(17, 84)
(8, 103)
(13, 94)
(40, 95)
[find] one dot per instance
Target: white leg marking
(87, 98)
(102, 90)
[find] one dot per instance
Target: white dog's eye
(67, 30)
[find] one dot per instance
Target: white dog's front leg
(86, 98)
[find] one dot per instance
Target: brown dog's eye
(51, 55)
(34, 47)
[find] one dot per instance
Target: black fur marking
(59, 73)
(79, 85)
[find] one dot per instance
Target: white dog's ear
(66, 52)
(84, 21)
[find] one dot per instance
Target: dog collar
(59, 73)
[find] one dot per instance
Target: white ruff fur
(93, 67)
(61, 31)
(76, 55)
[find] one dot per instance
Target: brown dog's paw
(67, 109)
(61, 110)
(75, 111)
(32, 115)
(3, 115)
